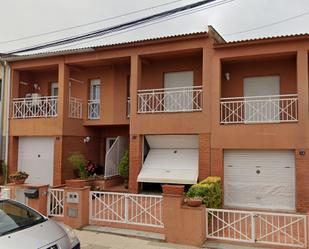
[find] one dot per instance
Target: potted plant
(78, 162)
(18, 177)
(123, 168)
(194, 201)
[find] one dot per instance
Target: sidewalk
(92, 240)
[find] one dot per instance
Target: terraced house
(186, 107)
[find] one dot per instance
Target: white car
(22, 227)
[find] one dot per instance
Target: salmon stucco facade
(185, 107)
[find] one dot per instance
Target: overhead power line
(150, 24)
(89, 23)
(114, 28)
(268, 25)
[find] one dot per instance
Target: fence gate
(134, 209)
(55, 204)
(257, 227)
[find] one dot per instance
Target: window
(54, 89)
(95, 88)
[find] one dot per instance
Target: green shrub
(209, 190)
(123, 166)
(79, 163)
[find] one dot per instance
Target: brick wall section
(301, 178)
(13, 152)
(57, 161)
(204, 156)
(217, 162)
(136, 142)
(71, 144)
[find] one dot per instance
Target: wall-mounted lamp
(36, 86)
(302, 152)
(86, 140)
(227, 76)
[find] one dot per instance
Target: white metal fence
(75, 108)
(137, 209)
(180, 99)
(113, 156)
(94, 109)
(36, 107)
(259, 109)
(55, 204)
(5, 192)
(257, 227)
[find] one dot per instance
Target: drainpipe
(2, 105)
(8, 104)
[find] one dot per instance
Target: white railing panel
(284, 229)
(94, 109)
(55, 204)
(35, 107)
(145, 210)
(114, 155)
(230, 225)
(75, 108)
(5, 192)
(182, 99)
(281, 229)
(259, 109)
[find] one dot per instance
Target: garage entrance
(36, 157)
(263, 179)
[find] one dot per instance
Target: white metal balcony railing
(94, 109)
(180, 99)
(75, 108)
(37, 107)
(259, 109)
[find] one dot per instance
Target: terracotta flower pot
(173, 189)
(76, 183)
(191, 202)
(18, 181)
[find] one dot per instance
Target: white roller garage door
(263, 179)
(36, 157)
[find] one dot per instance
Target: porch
(260, 90)
(171, 83)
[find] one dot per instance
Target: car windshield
(15, 217)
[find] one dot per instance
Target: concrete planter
(173, 189)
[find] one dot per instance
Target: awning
(171, 165)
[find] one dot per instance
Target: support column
(136, 161)
(204, 156)
(63, 95)
(134, 84)
(302, 85)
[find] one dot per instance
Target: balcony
(259, 109)
(169, 100)
(35, 107)
(94, 109)
(75, 108)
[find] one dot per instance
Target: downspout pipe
(7, 113)
(3, 71)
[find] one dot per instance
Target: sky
(233, 19)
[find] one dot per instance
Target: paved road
(93, 240)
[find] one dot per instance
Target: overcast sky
(232, 18)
